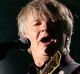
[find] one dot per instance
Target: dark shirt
(15, 60)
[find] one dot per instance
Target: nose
(44, 27)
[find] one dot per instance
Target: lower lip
(47, 43)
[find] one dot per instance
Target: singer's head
(48, 24)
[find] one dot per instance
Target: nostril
(42, 30)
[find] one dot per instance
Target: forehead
(35, 16)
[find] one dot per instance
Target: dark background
(9, 10)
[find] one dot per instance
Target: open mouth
(46, 39)
(51, 43)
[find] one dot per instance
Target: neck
(39, 60)
(66, 59)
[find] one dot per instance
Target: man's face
(44, 34)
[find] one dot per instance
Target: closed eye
(37, 23)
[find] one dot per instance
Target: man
(47, 27)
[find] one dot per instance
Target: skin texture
(43, 36)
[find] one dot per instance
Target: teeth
(54, 40)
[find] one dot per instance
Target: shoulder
(8, 46)
(13, 49)
(77, 70)
(15, 58)
(71, 68)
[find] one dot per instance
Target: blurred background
(9, 10)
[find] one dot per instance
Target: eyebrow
(35, 20)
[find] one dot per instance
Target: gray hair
(49, 7)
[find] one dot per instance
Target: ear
(67, 43)
(66, 49)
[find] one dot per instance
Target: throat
(39, 57)
(39, 62)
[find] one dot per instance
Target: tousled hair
(53, 8)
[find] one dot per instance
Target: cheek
(32, 35)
